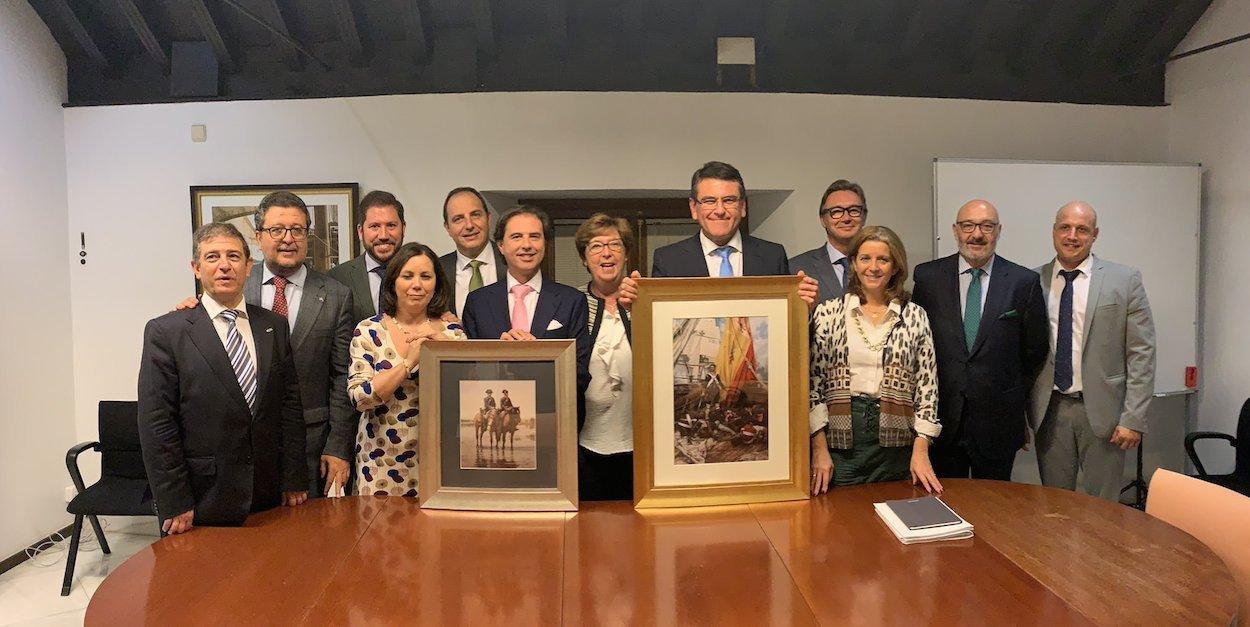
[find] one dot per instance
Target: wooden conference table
(1040, 556)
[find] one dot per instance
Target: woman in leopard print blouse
(873, 409)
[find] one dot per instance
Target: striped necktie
(240, 360)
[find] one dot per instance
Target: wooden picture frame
(684, 331)
(332, 238)
(464, 467)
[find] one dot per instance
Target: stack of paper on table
(924, 519)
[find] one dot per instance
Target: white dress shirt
(867, 368)
(609, 427)
(713, 260)
(464, 272)
(214, 309)
(965, 279)
(294, 289)
(375, 279)
(1080, 298)
(834, 256)
(531, 299)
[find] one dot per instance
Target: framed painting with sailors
(720, 394)
(332, 206)
(498, 425)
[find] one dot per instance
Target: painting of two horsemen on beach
(720, 389)
(497, 425)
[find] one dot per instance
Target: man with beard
(991, 337)
(843, 210)
(381, 231)
(474, 263)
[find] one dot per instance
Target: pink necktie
(520, 315)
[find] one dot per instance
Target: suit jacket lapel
(1096, 276)
(950, 276)
(449, 272)
(311, 300)
(544, 311)
(503, 315)
(695, 254)
(831, 287)
(251, 289)
(501, 264)
(752, 264)
(360, 285)
(262, 336)
(1048, 277)
(204, 336)
(996, 301)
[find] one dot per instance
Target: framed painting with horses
(498, 426)
(720, 391)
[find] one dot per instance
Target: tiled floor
(31, 595)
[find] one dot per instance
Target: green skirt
(867, 461)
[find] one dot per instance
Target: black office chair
(123, 486)
(1239, 479)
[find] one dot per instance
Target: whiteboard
(1148, 217)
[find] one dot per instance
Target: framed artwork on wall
(332, 234)
(498, 425)
(720, 391)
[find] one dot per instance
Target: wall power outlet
(70, 493)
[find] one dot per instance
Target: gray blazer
(355, 275)
(815, 263)
(448, 262)
(1117, 355)
(319, 344)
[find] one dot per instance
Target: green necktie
(475, 279)
(972, 307)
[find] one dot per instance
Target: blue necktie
(972, 307)
(1063, 334)
(726, 268)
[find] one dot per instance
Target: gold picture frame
(468, 461)
(742, 434)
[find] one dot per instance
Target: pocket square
(553, 325)
(1008, 315)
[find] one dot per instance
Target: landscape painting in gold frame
(720, 391)
(498, 426)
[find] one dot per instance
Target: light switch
(199, 133)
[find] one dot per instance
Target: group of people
(279, 382)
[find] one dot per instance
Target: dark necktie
(1063, 334)
(843, 263)
(279, 296)
(972, 307)
(381, 272)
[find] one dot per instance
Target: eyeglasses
(835, 213)
(279, 232)
(615, 246)
(728, 202)
(968, 227)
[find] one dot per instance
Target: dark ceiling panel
(1096, 51)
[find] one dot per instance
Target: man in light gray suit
(319, 311)
(380, 227)
(1089, 402)
(843, 210)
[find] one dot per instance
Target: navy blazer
(985, 390)
(686, 259)
(815, 263)
(486, 317)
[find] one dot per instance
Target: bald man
(1089, 402)
(989, 330)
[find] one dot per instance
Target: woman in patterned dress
(873, 375)
(382, 382)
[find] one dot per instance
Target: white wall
(36, 384)
(130, 167)
(1209, 122)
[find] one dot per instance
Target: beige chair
(1216, 516)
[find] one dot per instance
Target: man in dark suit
(525, 305)
(380, 228)
(475, 263)
(319, 311)
(991, 338)
(220, 420)
(843, 210)
(718, 202)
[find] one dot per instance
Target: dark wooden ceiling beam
(84, 40)
(776, 24)
(1061, 17)
(558, 25)
(921, 19)
(277, 19)
(143, 31)
(349, 31)
(1111, 32)
(213, 33)
(1171, 33)
(414, 29)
